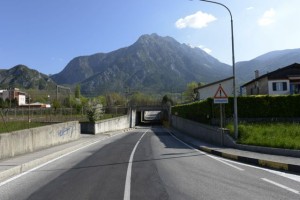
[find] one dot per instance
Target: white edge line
(282, 174)
(281, 186)
(53, 160)
(213, 157)
(293, 177)
(129, 169)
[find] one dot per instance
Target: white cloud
(250, 8)
(198, 20)
(207, 50)
(267, 18)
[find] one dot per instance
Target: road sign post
(221, 98)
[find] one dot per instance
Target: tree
(189, 93)
(3, 103)
(77, 91)
(56, 104)
(94, 110)
(115, 99)
(166, 100)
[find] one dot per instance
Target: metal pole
(233, 68)
(28, 111)
(221, 116)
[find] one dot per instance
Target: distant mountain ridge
(152, 64)
(21, 76)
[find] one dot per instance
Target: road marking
(129, 169)
(55, 159)
(213, 157)
(281, 186)
(293, 177)
(226, 163)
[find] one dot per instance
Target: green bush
(248, 107)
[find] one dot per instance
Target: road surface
(148, 163)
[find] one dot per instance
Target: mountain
(266, 63)
(152, 64)
(21, 76)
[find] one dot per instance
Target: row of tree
(59, 99)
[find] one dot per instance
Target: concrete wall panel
(112, 124)
(201, 131)
(29, 140)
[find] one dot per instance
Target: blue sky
(45, 35)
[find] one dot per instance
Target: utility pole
(235, 107)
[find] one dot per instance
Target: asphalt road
(148, 163)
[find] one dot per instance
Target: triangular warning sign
(220, 93)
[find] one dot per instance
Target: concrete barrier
(214, 135)
(103, 126)
(201, 131)
(29, 140)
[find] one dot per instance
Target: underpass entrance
(150, 115)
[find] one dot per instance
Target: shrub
(248, 107)
(94, 112)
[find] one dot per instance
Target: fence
(52, 115)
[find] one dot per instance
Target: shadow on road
(106, 167)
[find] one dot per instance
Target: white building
(21, 99)
(12, 94)
(209, 90)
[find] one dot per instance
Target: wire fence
(51, 115)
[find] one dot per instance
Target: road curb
(6, 174)
(36, 162)
(253, 161)
(247, 160)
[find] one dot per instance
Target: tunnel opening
(148, 118)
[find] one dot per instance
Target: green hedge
(197, 111)
(248, 107)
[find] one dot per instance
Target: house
(283, 81)
(209, 90)
(12, 94)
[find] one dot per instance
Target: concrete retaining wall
(29, 140)
(214, 135)
(201, 131)
(103, 126)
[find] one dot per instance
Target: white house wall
(21, 99)
(211, 90)
(270, 86)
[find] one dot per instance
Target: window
(279, 86)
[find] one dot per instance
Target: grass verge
(277, 135)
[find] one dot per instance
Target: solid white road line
(293, 177)
(281, 186)
(129, 169)
(53, 160)
(225, 161)
(213, 157)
